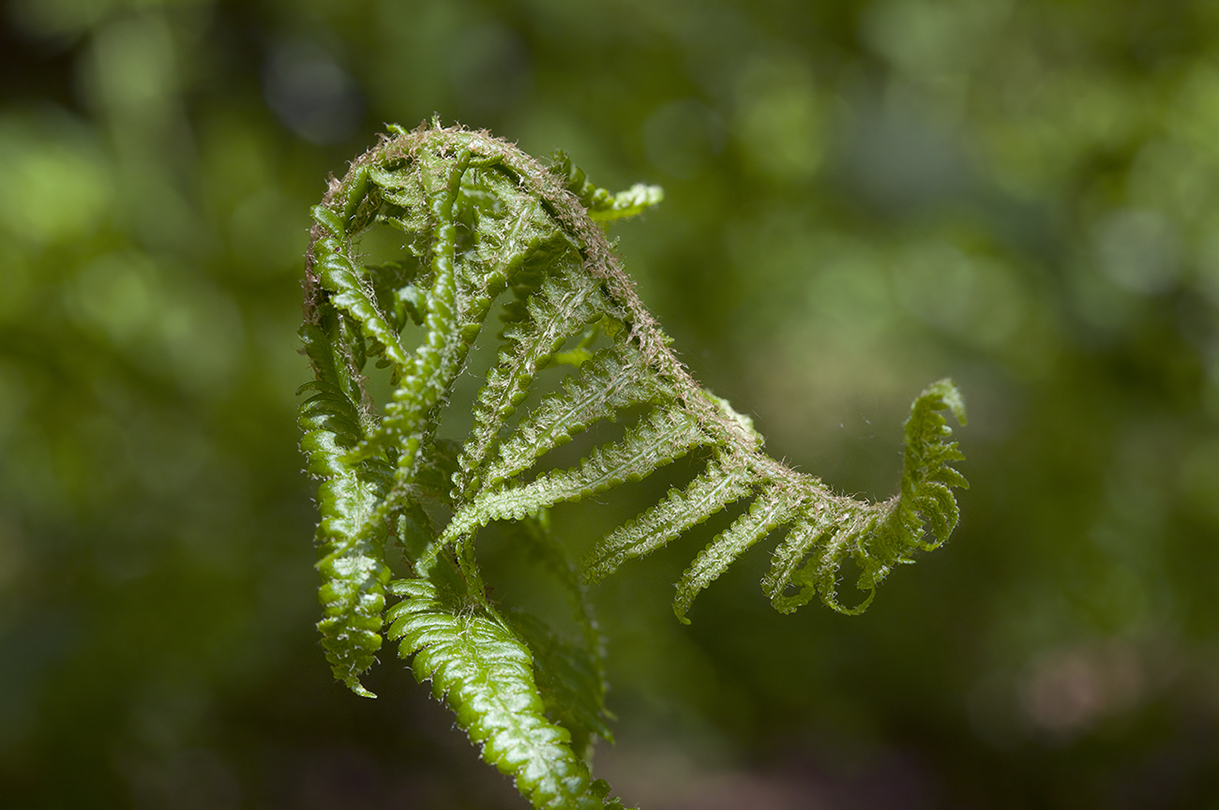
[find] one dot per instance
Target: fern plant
(476, 222)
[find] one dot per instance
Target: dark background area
(862, 197)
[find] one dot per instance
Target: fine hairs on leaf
(480, 222)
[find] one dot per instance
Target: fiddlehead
(480, 221)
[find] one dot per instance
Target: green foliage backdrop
(860, 197)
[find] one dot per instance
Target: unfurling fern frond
(479, 222)
(485, 672)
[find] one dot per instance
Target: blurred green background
(861, 197)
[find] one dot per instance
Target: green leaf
(769, 510)
(659, 439)
(609, 381)
(485, 673)
(678, 511)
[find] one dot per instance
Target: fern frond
(877, 536)
(610, 381)
(354, 574)
(561, 307)
(706, 495)
(485, 673)
(602, 205)
(659, 439)
(482, 222)
(769, 510)
(338, 276)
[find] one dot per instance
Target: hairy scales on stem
(478, 222)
